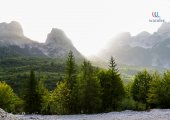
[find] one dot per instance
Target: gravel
(154, 114)
(7, 116)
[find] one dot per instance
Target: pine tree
(154, 90)
(118, 88)
(71, 79)
(43, 92)
(113, 67)
(164, 91)
(32, 97)
(159, 90)
(70, 70)
(112, 87)
(106, 85)
(89, 90)
(141, 86)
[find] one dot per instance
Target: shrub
(9, 101)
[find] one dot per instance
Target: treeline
(88, 90)
(15, 70)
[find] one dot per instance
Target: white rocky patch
(154, 114)
(7, 116)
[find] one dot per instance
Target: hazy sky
(88, 23)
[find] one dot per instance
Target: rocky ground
(154, 114)
(7, 116)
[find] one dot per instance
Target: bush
(141, 86)
(159, 92)
(140, 106)
(128, 104)
(9, 101)
(155, 90)
(60, 99)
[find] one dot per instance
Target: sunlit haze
(90, 24)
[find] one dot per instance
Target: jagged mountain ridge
(144, 49)
(12, 34)
(13, 41)
(58, 41)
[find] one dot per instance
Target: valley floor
(154, 114)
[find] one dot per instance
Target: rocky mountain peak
(120, 39)
(164, 28)
(57, 36)
(123, 35)
(57, 31)
(13, 28)
(144, 34)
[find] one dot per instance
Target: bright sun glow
(90, 24)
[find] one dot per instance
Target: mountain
(13, 42)
(58, 45)
(144, 49)
(12, 34)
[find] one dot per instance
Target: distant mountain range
(144, 49)
(14, 43)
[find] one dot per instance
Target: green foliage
(141, 87)
(56, 101)
(139, 106)
(47, 103)
(89, 90)
(128, 103)
(71, 79)
(111, 96)
(44, 98)
(60, 98)
(113, 67)
(9, 101)
(116, 82)
(107, 92)
(164, 95)
(70, 70)
(155, 90)
(15, 70)
(159, 93)
(32, 96)
(80, 89)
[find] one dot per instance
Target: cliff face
(57, 44)
(12, 34)
(144, 49)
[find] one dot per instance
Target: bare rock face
(58, 45)
(12, 34)
(57, 36)
(13, 28)
(165, 28)
(144, 49)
